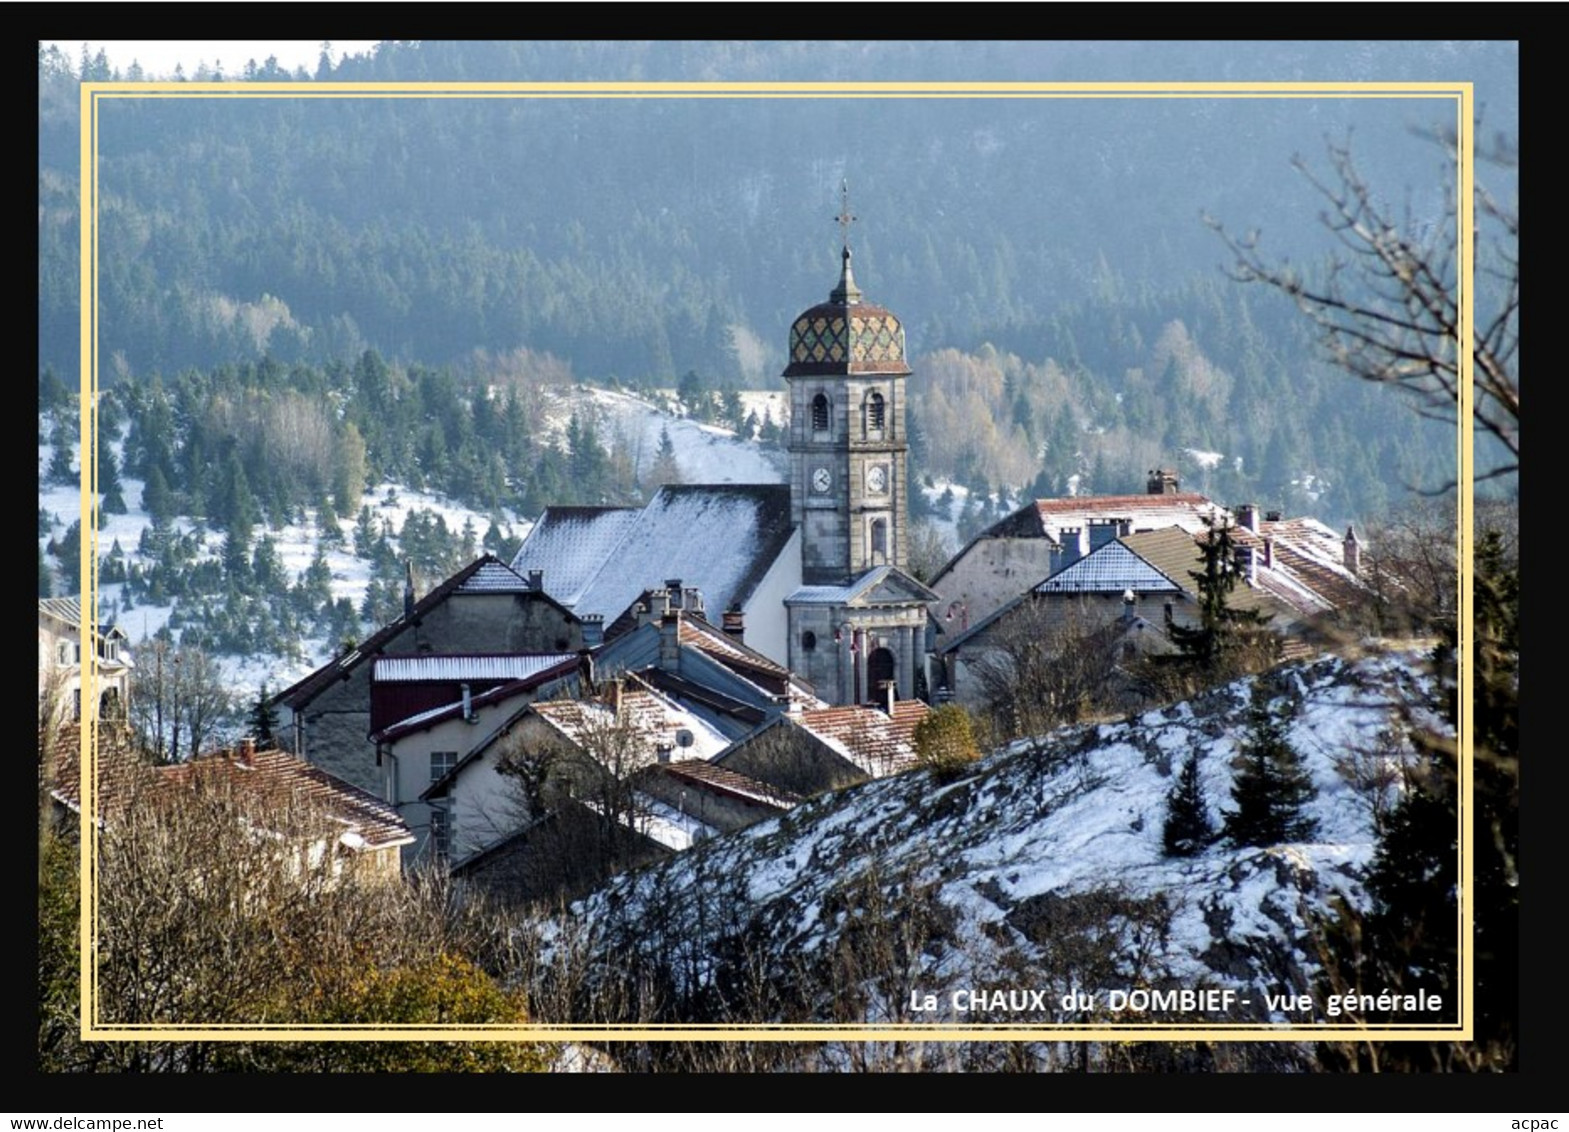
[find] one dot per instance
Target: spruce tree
(1216, 646)
(109, 483)
(1271, 787)
(1188, 828)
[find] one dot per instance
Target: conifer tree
(1224, 635)
(1271, 787)
(665, 469)
(109, 483)
(1188, 828)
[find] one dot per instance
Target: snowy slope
(1043, 867)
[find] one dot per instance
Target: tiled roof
(1112, 568)
(430, 667)
(373, 824)
(655, 719)
(718, 538)
(494, 577)
(724, 781)
(571, 545)
(877, 743)
(1177, 554)
(1045, 518)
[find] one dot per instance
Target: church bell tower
(848, 490)
(857, 624)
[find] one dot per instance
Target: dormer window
(820, 413)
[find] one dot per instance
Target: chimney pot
(536, 579)
(247, 751)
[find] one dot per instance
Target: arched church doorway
(879, 667)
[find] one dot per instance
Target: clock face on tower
(822, 480)
(877, 479)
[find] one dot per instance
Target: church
(811, 574)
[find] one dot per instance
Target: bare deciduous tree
(1389, 305)
(181, 700)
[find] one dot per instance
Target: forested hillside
(1057, 245)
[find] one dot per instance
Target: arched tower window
(876, 412)
(879, 542)
(820, 413)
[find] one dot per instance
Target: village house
(808, 752)
(60, 667)
(484, 608)
(1044, 535)
(419, 747)
(1130, 590)
(351, 828)
(587, 748)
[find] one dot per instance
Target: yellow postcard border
(92, 93)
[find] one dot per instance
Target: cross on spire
(845, 217)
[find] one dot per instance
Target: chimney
(887, 696)
(1162, 481)
(536, 580)
(673, 588)
(1247, 564)
(1269, 552)
(670, 642)
(735, 624)
(408, 587)
(1102, 531)
(245, 753)
(1071, 548)
(1351, 551)
(1247, 517)
(593, 630)
(692, 601)
(468, 706)
(1272, 516)
(1129, 601)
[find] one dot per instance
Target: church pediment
(886, 585)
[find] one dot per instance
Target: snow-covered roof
(665, 824)
(725, 781)
(397, 669)
(656, 721)
(494, 577)
(1108, 569)
(878, 743)
(571, 545)
(718, 538)
(881, 583)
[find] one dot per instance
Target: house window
(875, 412)
(440, 763)
(111, 650)
(820, 413)
(808, 641)
(440, 832)
(879, 540)
(65, 652)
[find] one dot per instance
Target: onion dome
(846, 335)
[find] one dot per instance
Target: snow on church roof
(571, 545)
(718, 538)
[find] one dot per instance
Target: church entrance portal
(879, 667)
